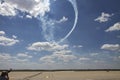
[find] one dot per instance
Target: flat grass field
(65, 75)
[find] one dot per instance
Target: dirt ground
(66, 75)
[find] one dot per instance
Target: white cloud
(63, 52)
(7, 9)
(104, 17)
(24, 55)
(19, 58)
(47, 59)
(22, 60)
(112, 47)
(32, 7)
(62, 20)
(7, 60)
(66, 56)
(77, 46)
(4, 57)
(2, 33)
(28, 16)
(60, 52)
(46, 46)
(5, 41)
(84, 59)
(115, 27)
(14, 36)
(94, 54)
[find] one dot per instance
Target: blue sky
(59, 34)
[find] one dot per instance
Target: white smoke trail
(48, 27)
(37, 9)
(74, 4)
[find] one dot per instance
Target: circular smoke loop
(48, 28)
(74, 4)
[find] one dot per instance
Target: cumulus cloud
(115, 27)
(63, 52)
(47, 59)
(14, 36)
(111, 47)
(5, 57)
(46, 46)
(2, 33)
(23, 55)
(22, 60)
(59, 52)
(62, 20)
(32, 7)
(104, 17)
(5, 41)
(94, 54)
(28, 16)
(84, 59)
(77, 46)
(20, 57)
(7, 9)
(64, 56)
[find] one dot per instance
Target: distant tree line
(63, 70)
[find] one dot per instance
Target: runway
(65, 75)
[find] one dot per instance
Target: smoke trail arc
(74, 4)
